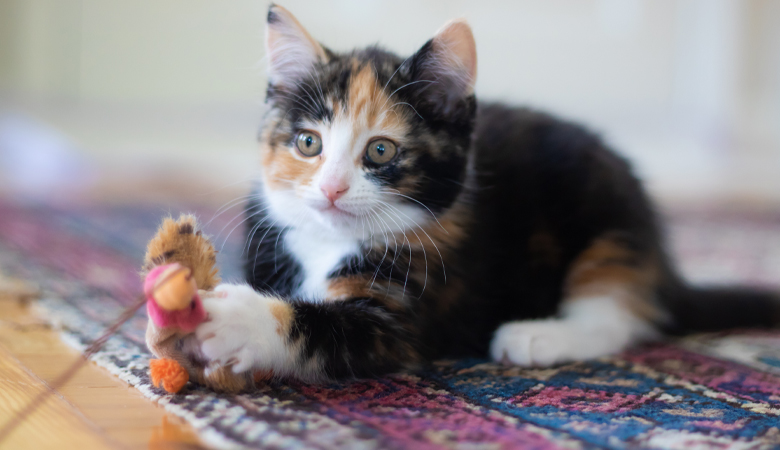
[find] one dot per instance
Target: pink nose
(333, 190)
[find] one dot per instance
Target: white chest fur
(318, 255)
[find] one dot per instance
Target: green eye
(381, 151)
(308, 144)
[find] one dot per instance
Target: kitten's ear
(449, 61)
(290, 48)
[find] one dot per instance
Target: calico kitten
(398, 220)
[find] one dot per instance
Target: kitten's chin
(337, 219)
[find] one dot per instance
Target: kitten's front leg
(336, 339)
(246, 330)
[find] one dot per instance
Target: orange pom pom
(168, 373)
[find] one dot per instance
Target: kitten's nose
(333, 190)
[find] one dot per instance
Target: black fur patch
(354, 338)
(268, 267)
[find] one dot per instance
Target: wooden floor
(92, 410)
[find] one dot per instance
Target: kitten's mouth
(334, 210)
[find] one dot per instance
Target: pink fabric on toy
(186, 319)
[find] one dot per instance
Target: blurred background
(155, 99)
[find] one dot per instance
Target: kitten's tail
(694, 309)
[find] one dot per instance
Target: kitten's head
(365, 142)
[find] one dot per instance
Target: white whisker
(444, 271)
(248, 216)
(422, 247)
(409, 105)
(379, 266)
(251, 236)
(257, 250)
(396, 192)
(228, 205)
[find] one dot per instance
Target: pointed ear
(290, 48)
(449, 61)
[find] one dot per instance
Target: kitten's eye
(308, 143)
(381, 151)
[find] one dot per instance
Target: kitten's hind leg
(608, 306)
(588, 328)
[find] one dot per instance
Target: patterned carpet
(713, 391)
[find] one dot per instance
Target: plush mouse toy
(180, 269)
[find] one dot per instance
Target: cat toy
(181, 255)
(180, 267)
(178, 261)
(174, 306)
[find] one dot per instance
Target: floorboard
(93, 409)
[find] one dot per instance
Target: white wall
(690, 89)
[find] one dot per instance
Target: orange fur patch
(284, 170)
(363, 95)
(370, 107)
(349, 287)
(284, 315)
(608, 268)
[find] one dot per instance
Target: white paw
(240, 330)
(590, 327)
(532, 343)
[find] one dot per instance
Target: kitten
(399, 220)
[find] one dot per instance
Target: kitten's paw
(241, 330)
(532, 343)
